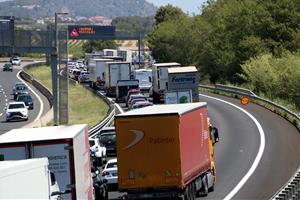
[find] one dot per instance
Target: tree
(92, 45)
(166, 13)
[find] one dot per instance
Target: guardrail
(290, 190)
(94, 130)
(294, 118)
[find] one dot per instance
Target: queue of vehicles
(183, 175)
(18, 109)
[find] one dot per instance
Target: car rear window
(112, 165)
(14, 106)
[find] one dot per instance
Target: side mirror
(214, 134)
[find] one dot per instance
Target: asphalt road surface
(247, 167)
(7, 81)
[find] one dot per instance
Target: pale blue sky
(191, 6)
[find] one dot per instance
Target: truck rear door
(125, 72)
(114, 74)
(163, 78)
(59, 163)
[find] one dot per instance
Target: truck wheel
(193, 191)
(205, 185)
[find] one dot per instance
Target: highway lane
(7, 81)
(239, 144)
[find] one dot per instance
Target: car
(16, 61)
(16, 110)
(99, 150)
(74, 74)
(107, 137)
(135, 96)
(27, 99)
(130, 92)
(19, 89)
(141, 104)
(17, 84)
(8, 67)
(110, 172)
(135, 100)
(84, 77)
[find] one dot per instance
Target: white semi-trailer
(160, 80)
(115, 71)
(67, 149)
(96, 70)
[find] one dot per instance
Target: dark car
(27, 99)
(19, 89)
(8, 67)
(107, 137)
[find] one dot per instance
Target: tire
(205, 185)
(193, 191)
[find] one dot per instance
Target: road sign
(245, 100)
(83, 32)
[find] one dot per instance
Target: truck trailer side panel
(195, 158)
(83, 177)
(148, 152)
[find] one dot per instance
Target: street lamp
(54, 72)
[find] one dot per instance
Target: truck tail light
(125, 197)
(105, 173)
(96, 148)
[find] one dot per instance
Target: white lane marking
(258, 156)
(6, 100)
(1, 114)
(39, 98)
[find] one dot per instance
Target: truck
(115, 71)
(160, 80)
(145, 79)
(184, 78)
(166, 151)
(125, 54)
(96, 69)
(122, 88)
(67, 149)
(27, 179)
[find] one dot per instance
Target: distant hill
(77, 8)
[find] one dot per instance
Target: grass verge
(84, 106)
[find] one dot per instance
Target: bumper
(16, 117)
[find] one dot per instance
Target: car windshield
(15, 59)
(20, 87)
(108, 137)
(14, 106)
(24, 98)
(112, 165)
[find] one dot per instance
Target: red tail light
(125, 197)
(105, 173)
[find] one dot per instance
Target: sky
(191, 6)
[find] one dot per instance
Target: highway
(239, 146)
(7, 81)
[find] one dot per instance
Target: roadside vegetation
(84, 106)
(250, 43)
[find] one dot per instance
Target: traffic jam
(161, 104)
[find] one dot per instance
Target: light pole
(54, 71)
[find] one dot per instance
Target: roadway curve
(239, 145)
(7, 81)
